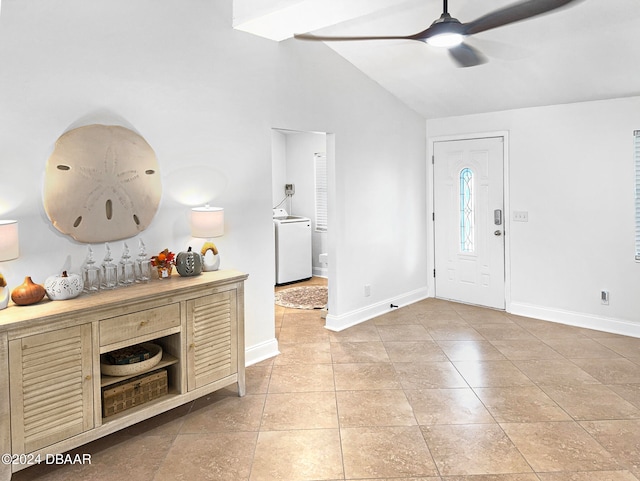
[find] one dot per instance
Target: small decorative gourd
(27, 293)
(189, 263)
(65, 286)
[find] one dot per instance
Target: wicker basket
(133, 392)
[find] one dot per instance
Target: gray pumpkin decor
(189, 263)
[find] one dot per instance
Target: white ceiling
(588, 51)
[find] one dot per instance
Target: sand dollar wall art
(102, 183)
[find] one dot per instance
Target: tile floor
(435, 391)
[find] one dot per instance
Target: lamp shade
(207, 222)
(9, 247)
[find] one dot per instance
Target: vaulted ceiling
(588, 51)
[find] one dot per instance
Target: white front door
(469, 221)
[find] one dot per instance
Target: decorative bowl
(136, 367)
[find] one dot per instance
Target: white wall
(279, 167)
(571, 168)
(204, 97)
(181, 77)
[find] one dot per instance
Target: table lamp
(208, 222)
(9, 246)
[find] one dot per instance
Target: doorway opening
(301, 165)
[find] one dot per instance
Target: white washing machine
(293, 247)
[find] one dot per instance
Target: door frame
(431, 260)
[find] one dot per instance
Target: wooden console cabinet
(50, 380)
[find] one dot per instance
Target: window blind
(320, 167)
(636, 159)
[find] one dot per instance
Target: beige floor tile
(453, 333)
(257, 378)
(414, 351)
(589, 476)
(470, 449)
(300, 410)
(619, 437)
(481, 315)
(379, 452)
(366, 376)
(165, 424)
(525, 349)
(115, 457)
(581, 348)
(396, 317)
(404, 332)
(304, 353)
(470, 350)
(629, 392)
(374, 408)
(301, 378)
(224, 413)
(421, 478)
(438, 319)
(550, 330)
(302, 317)
(304, 334)
(491, 374)
(559, 446)
(495, 477)
(625, 346)
(502, 331)
(360, 333)
(611, 371)
(301, 455)
(448, 406)
(521, 404)
(351, 352)
(591, 401)
(428, 375)
(551, 371)
(207, 457)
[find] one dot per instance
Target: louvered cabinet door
(212, 338)
(50, 387)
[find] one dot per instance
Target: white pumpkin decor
(65, 286)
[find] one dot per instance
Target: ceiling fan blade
(513, 13)
(466, 56)
(321, 38)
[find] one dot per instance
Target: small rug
(303, 297)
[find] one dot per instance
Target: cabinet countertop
(87, 304)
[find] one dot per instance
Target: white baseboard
(260, 352)
(320, 271)
(578, 319)
(340, 322)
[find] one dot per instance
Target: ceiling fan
(449, 32)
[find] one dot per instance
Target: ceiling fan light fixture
(446, 40)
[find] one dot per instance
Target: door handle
(498, 233)
(497, 217)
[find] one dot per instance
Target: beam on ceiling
(280, 19)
